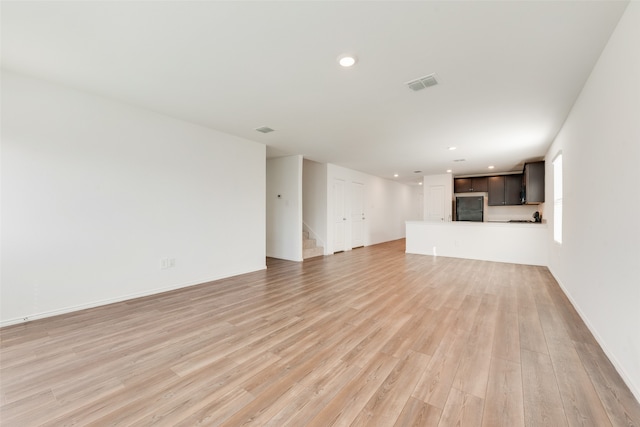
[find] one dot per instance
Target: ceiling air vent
(264, 129)
(422, 82)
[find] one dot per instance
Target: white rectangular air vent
(264, 129)
(423, 82)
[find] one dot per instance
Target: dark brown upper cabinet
(471, 185)
(505, 190)
(533, 184)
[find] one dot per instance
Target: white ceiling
(509, 72)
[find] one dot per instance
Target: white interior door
(339, 216)
(435, 204)
(357, 215)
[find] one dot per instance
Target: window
(557, 198)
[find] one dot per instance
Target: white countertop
(476, 223)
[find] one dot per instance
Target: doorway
(435, 207)
(357, 215)
(339, 216)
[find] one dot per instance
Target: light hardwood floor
(371, 337)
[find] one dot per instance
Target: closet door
(357, 215)
(339, 216)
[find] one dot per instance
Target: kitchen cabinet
(471, 185)
(513, 189)
(533, 185)
(496, 190)
(505, 190)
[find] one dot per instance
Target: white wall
(284, 208)
(387, 206)
(418, 203)
(598, 262)
(314, 201)
(95, 193)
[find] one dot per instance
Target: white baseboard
(623, 374)
(93, 304)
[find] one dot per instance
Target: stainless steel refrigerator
(470, 208)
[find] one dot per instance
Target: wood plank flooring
(370, 337)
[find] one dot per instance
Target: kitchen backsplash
(506, 213)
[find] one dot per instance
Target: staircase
(309, 248)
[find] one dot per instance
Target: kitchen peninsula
(518, 243)
(483, 217)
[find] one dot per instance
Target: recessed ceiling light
(449, 171)
(347, 60)
(491, 167)
(420, 183)
(395, 175)
(452, 148)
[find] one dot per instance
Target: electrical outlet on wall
(167, 263)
